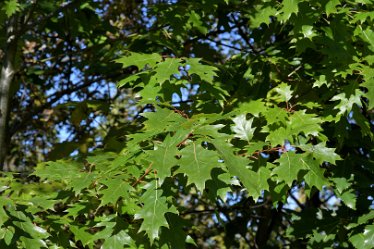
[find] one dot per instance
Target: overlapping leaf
(197, 163)
(115, 188)
(243, 128)
(155, 206)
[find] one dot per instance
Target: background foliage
(237, 124)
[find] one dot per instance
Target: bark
(8, 71)
(270, 217)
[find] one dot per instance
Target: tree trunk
(8, 71)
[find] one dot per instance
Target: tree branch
(52, 100)
(8, 71)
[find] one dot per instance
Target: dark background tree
(264, 142)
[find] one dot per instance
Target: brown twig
(278, 148)
(182, 113)
(184, 140)
(144, 175)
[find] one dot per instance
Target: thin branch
(296, 200)
(243, 35)
(227, 45)
(294, 71)
(42, 21)
(25, 119)
(184, 140)
(147, 171)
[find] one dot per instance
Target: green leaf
(289, 166)
(362, 121)
(130, 79)
(205, 72)
(364, 240)
(278, 136)
(219, 185)
(6, 234)
(11, 7)
(292, 164)
(362, 220)
(260, 179)
(139, 60)
(262, 16)
(155, 206)
(76, 209)
(243, 128)
(23, 222)
(314, 176)
(341, 184)
(369, 84)
(164, 70)
(81, 234)
(301, 122)
(276, 115)
(321, 153)
(59, 170)
(175, 236)
(254, 107)
(117, 241)
(368, 36)
(163, 157)
(321, 81)
(32, 243)
(281, 93)
(195, 21)
(308, 31)
(331, 7)
(349, 198)
(346, 104)
(237, 167)
(289, 7)
(116, 188)
(171, 121)
(82, 181)
(197, 163)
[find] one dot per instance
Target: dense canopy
(186, 124)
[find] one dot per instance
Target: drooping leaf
(237, 167)
(163, 157)
(155, 206)
(369, 84)
(314, 176)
